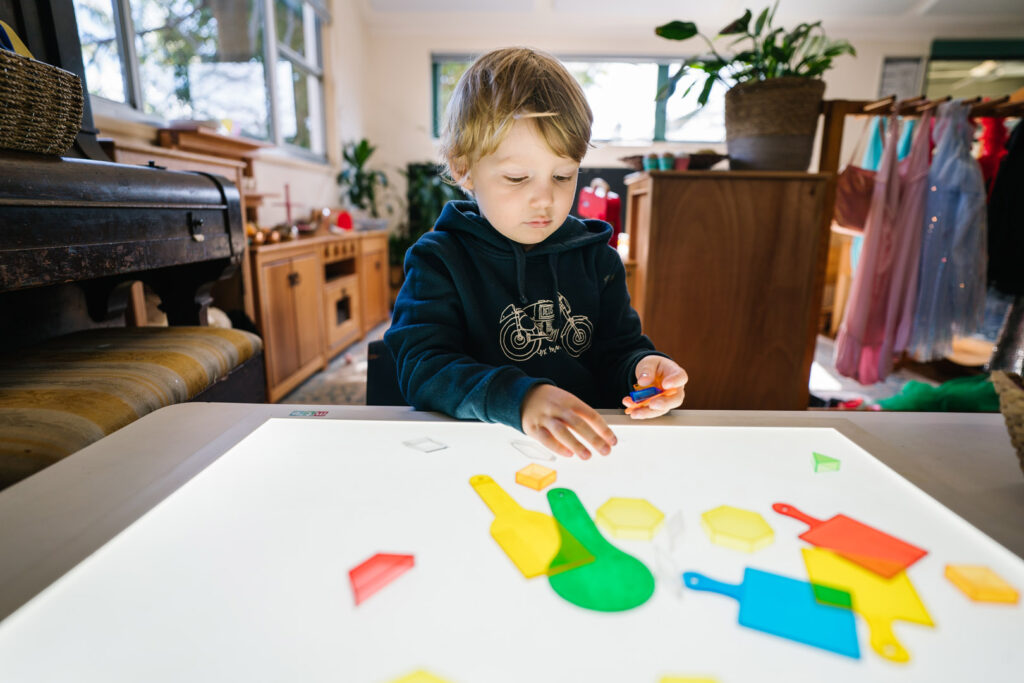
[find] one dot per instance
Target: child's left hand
(652, 370)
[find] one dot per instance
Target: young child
(512, 310)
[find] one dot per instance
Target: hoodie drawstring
(520, 271)
(553, 265)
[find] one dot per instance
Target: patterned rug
(343, 382)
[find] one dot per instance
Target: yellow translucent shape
(536, 476)
(630, 518)
(534, 541)
(878, 599)
(420, 676)
(981, 583)
(737, 529)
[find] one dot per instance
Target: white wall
(398, 88)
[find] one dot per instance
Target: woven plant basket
(40, 105)
(770, 125)
(1011, 404)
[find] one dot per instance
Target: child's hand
(552, 415)
(663, 371)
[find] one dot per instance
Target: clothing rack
(835, 113)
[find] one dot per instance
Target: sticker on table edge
(377, 572)
(533, 451)
(425, 444)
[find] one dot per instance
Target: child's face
(523, 189)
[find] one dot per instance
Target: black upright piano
(82, 219)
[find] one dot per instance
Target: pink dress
(899, 313)
(860, 339)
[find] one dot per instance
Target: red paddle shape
(867, 546)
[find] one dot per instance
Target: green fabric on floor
(962, 395)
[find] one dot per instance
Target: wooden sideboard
(729, 268)
(314, 297)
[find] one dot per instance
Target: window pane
(447, 74)
(203, 60)
(290, 28)
(298, 105)
(98, 32)
(621, 95)
(685, 121)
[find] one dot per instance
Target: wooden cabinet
(728, 278)
(376, 289)
(314, 297)
(289, 285)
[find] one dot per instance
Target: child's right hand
(552, 415)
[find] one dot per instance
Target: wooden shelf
(208, 141)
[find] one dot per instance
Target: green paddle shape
(614, 581)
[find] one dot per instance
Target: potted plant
(360, 184)
(772, 106)
(426, 194)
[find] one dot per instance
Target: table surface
(54, 520)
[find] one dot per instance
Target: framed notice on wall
(902, 77)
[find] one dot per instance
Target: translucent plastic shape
(533, 451)
(630, 518)
(377, 572)
(614, 581)
(867, 546)
(823, 463)
(425, 444)
(981, 584)
(736, 528)
(536, 477)
(785, 607)
(534, 541)
(420, 676)
(879, 600)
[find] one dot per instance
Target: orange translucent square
(536, 476)
(981, 583)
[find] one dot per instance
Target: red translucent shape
(377, 572)
(867, 546)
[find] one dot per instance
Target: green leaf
(705, 92)
(677, 30)
(761, 19)
(737, 26)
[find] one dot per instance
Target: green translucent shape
(832, 596)
(823, 463)
(614, 581)
(534, 541)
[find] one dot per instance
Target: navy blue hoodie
(480, 320)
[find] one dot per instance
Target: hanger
(987, 108)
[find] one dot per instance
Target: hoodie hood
(464, 218)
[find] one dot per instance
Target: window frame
(314, 11)
(665, 63)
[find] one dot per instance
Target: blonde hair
(506, 85)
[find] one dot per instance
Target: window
(621, 93)
(207, 60)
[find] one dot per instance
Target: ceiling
(879, 19)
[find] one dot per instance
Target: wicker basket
(770, 125)
(40, 105)
(1011, 404)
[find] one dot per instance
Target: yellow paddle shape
(878, 599)
(534, 541)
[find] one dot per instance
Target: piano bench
(68, 392)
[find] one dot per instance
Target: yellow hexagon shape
(630, 518)
(737, 529)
